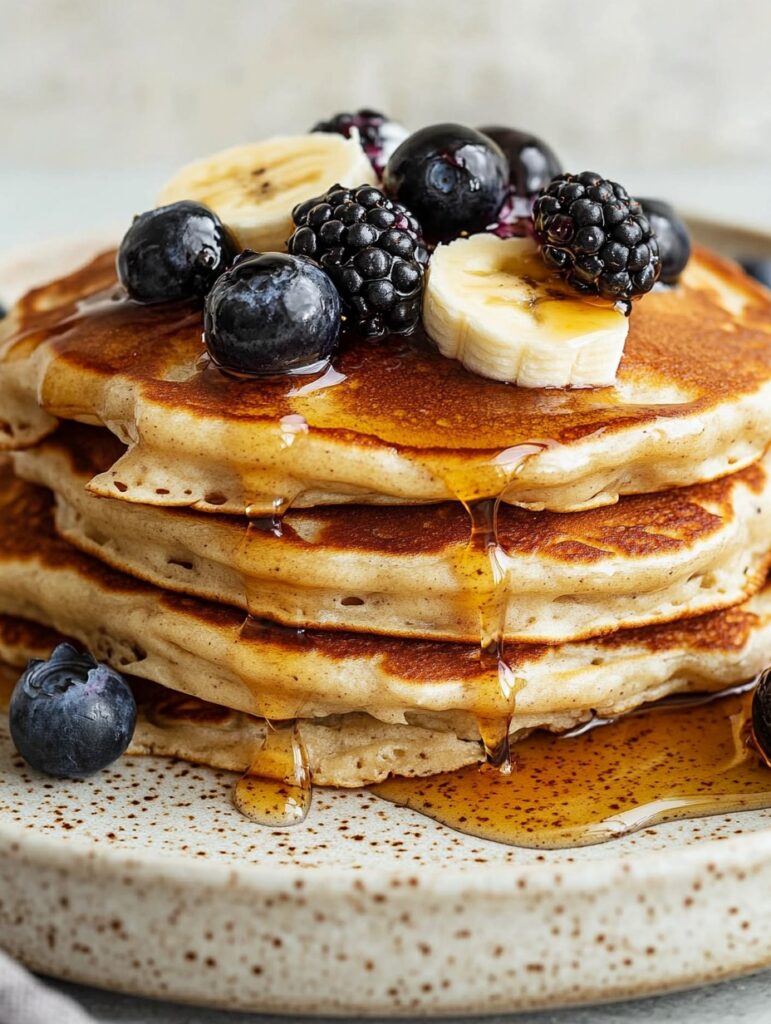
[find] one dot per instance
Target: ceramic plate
(146, 880)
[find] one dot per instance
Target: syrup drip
(486, 571)
(683, 757)
(276, 789)
(485, 555)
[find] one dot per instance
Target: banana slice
(253, 188)
(494, 305)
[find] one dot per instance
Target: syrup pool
(684, 757)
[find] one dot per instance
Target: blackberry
(378, 135)
(372, 249)
(596, 236)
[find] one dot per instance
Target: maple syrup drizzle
(486, 571)
(683, 757)
(276, 789)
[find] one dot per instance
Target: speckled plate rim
(711, 901)
(740, 852)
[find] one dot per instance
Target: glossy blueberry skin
(271, 313)
(452, 178)
(532, 164)
(759, 269)
(672, 234)
(175, 252)
(761, 713)
(71, 716)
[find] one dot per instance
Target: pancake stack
(396, 566)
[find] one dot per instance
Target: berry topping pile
(454, 179)
(359, 254)
(372, 249)
(71, 716)
(378, 136)
(598, 238)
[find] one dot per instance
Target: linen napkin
(25, 1000)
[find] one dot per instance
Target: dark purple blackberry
(596, 236)
(372, 249)
(379, 136)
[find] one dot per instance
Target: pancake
(343, 750)
(202, 649)
(393, 422)
(406, 571)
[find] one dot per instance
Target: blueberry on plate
(174, 252)
(673, 238)
(71, 716)
(532, 164)
(271, 313)
(452, 178)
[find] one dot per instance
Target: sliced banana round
(253, 188)
(494, 305)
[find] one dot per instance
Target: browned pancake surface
(400, 392)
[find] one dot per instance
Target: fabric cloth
(25, 1000)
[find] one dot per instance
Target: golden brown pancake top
(399, 391)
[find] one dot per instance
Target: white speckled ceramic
(145, 879)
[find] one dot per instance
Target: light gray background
(101, 99)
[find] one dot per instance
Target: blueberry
(174, 252)
(759, 269)
(271, 313)
(452, 178)
(672, 234)
(71, 716)
(761, 713)
(531, 163)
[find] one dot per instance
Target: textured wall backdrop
(87, 83)
(101, 99)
